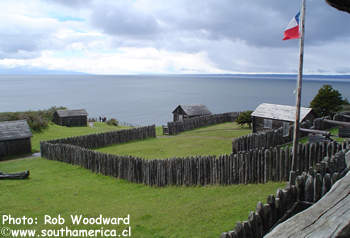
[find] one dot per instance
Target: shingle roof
(195, 110)
(72, 113)
(280, 112)
(13, 130)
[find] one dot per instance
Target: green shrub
(327, 102)
(37, 120)
(245, 118)
(113, 122)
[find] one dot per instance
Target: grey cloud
(20, 45)
(123, 20)
(259, 23)
(214, 27)
(19, 54)
(72, 3)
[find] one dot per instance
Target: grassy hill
(182, 212)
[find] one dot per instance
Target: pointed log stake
(299, 86)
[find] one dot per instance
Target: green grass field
(182, 212)
(58, 188)
(54, 132)
(211, 140)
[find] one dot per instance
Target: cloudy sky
(171, 36)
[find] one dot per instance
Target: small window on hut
(267, 123)
(286, 129)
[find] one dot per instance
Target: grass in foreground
(55, 132)
(182, 212)
(211, 140)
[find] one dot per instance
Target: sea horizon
(145, 99)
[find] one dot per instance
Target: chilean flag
(292, 30)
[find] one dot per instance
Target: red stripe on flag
(292, 33)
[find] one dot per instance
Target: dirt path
(211, 137)
(35, 155)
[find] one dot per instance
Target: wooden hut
(76, 117)
(182, 112)
(273, 116)
(15, 138)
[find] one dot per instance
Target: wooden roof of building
(72, 113)
(14, 130)
(279, 112)
(343, 5)
(194, 110)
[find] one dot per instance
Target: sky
(171, 36)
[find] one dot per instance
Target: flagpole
(298, 96)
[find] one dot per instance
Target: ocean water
(149, 99)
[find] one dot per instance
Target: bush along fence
(304, 191)
(197, 122)
(255, 166)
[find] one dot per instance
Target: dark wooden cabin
(273, 116)
(70, 117)
(15, 138)
(189, 111)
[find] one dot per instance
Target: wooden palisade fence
(273, 138)
(266, 139)
(254, 166)
(196, 122)
(108, 138)
(308, 189)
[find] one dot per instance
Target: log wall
(15, 147)
(272, 138)
(255, 166)
(305, 190)
(197, 122)
(108, 138)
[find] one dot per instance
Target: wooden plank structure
(77, 117)
(343, 5)
(183, 112)
(329, 217)
(14, 138)
(306, 189)
(277, 116)
(344, 129)
(319, 132)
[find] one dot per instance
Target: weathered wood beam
(340, 123)
(20, 175)
(325, 133)
(329, 217)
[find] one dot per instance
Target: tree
(245, 118)
(327, 102)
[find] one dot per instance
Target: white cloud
(125, 61)
(179, 36)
